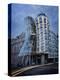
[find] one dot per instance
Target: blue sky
(20, 11)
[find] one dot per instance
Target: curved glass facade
(29, 44)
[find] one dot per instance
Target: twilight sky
(20, 11)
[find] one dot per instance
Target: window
(41, 37)
(42, 43)
(44, 20)
(45, 25)
(41, 33)
(37, 49)
(36, 22)
(45, 31)
(46, 38)
(40, 25)
(40, 20)
(42, 48)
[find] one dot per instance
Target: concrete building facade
(46, 40)
(42, 33)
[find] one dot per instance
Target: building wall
(47, 41)
(42, 33)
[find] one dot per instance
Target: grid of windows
(42, 33)
(46, 41)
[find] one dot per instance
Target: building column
(42, 59)
(26, 60)
(32, 58)
(29, 59)
(36, 60)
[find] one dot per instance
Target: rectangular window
(45, 25)
(44, 20)
(40, 25)
(42, 48)
(40, 19)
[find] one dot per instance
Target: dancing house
(40, 44)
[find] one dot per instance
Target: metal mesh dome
(41, 14)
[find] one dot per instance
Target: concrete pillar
(26, 60)
(29, 60)
(36, 60)
(32, 58)
(42, 59)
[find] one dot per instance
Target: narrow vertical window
(44, 20)
(40, 19)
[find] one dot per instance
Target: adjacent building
(53, 47)
(16, 45)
